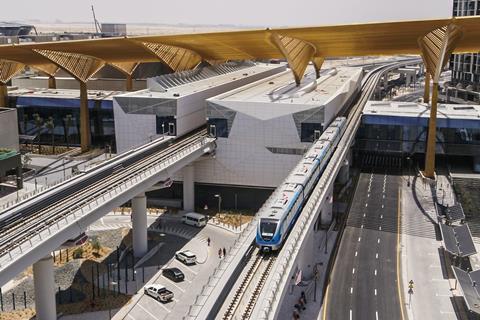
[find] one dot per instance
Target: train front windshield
(267, 228)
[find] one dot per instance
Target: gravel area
(64, 277)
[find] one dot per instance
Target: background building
(466, 67)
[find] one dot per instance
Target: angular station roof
(386, 38)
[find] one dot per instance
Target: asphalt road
(364, 280)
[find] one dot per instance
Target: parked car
(187, 257)
(173, 274)
(159, 292)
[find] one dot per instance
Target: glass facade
(408, 135)
(66, 119)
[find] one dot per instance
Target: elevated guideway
(263, 301)
(35, 227)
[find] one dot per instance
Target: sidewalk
(312, 308)
(422, 254)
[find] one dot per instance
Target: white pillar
(344, 173)
(327, 208)
(139, 225)
(188, 188)
(44, 287)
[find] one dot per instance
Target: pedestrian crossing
(108, 226)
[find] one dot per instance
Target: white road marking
(359, 238)
(151, 314)
(376, 315)
(356, 253)
(375, 272)
(378, 240)
(351, 290)
(384, 196)
(383, 206)
(375, 291)
(376, 256)
(364, 215)
(381, 216)
(353, 271)
(350, 314)
(380, 228)
(361, 227)
(368, 195)
(171, 282)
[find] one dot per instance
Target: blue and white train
(283, 207)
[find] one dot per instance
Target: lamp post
(219, 202)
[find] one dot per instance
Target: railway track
(246, 295)
(25, 224)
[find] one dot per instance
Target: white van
(194, 219)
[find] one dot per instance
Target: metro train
(283, 207)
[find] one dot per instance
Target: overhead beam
(82, 68)
(8, 69)
(297, 52)
(436, 47)
(178, 59)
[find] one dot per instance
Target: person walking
(220, 253)
(303, 296)
(224, 252)
(208, 241)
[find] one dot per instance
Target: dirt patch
(18, 315)
(87, 251)
(233, 218)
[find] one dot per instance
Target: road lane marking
(399, 283)
(361, 227)
(376, 315)
(356, 253)
(350, 314)
(381, 216)
(364, 215)
(375, 291)
(376, 256)
(351, 290)
(375, 272)
(359, 238)
(380, 228)
(353, 271)
(368, 195)
(378, 240)
(383, 206)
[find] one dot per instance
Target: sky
(261, 13)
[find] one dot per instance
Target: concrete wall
(70, 83)
(9, 129)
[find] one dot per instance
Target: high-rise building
(466, 67)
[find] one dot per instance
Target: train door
(213, 130)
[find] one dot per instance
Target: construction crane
(98, 28)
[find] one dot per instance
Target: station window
(166, 125)
(308, 131)
(218, 127)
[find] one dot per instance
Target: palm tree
(50, 126)
(39, 125)
(67, 123)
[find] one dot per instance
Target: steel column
(426, 93)
(84, 118)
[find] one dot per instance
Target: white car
(187, 257)
(159, 292)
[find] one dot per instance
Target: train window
(316, 134)
(268, 227)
